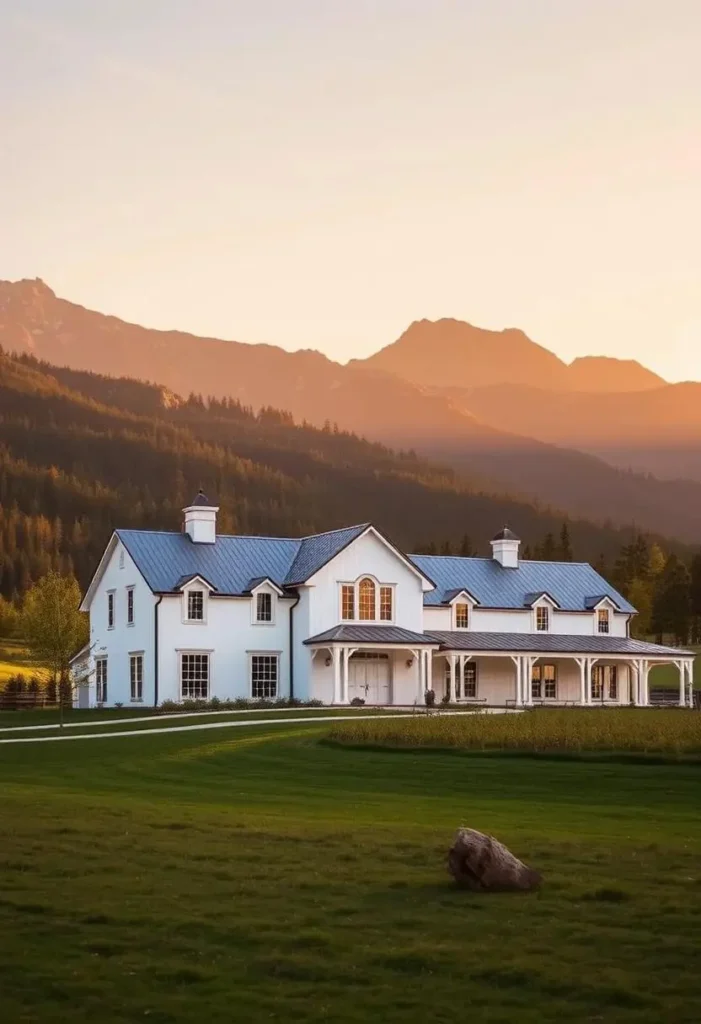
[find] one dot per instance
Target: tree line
(82, 454)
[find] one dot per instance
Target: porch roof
(371, 634)
(551, 643)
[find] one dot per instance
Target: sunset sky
(319, 173)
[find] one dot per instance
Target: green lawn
(257, 875)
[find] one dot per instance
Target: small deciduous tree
(54, 629)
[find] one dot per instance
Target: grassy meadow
(14, 658)
(259, 874)
(669, 732)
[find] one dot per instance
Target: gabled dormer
(603, 608)
(265, 594)
(196, 591)
(542, 606)
(462, 604)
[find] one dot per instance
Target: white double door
(369, 677)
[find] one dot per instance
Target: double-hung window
(110, 609)
(542, 618)
(465, 688)
(136, 676)
(130, 606)
(101, 680)
(544, 682)
(195, 606)
(348, 601)
(462, 616)
(603, 619)
(604, 682)
(265, 670)
(264, 607)
(385, 604)
(194, 676)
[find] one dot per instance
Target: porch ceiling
(551, 643)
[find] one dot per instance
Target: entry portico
(390, 664)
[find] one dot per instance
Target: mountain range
(600, 438)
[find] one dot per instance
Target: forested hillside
(81, 454)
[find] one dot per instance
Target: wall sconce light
(328, 661)
(410, 662)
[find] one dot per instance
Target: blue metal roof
(316, 551)
(568, 583)
(231, 563)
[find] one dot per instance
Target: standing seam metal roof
(166, 559)
(570, 584)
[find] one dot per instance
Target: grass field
(15, 658)
(259, 875)
(669, 732)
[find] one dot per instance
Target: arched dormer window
(366, 599)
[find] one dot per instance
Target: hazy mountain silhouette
(473, 429)
(451, 353)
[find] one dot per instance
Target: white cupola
(505, 549)
(201, 520)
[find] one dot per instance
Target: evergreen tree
(446, 549)
(566, 554)
(466, 548)
(671, 604)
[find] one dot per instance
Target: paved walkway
(200, 726)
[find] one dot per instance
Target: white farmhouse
(345, 615)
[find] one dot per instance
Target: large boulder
(481, 863)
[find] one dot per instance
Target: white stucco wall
(229, 636)
(118, 643)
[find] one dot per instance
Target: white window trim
(195, 650)
(608, 606)
(377, 621)
(264, 589)
(102, 658)
(543, 603)
(263, 654)
(113, 595)
(142, 655)
(195, 585)
(462, 598)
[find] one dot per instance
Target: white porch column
(690, 670)
(421, 676)
(635, 682)
(590, 666)
(336, 659)
(428, 670)
(345, 658)
(461, 677)
(519, 690)
(644, 683)
(527, 664)
(453, 660)
(582, 663)
(681, 667)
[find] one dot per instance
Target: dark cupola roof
(201, 501)
(506, 534)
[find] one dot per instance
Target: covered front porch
(500, 670)
(382, 665)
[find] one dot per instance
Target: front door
(369, 678)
